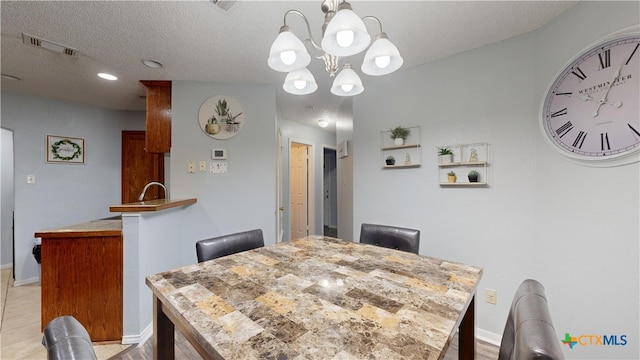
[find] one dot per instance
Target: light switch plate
(218, 167)
(191, 167)
(203, 166)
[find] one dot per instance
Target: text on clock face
(603, 86)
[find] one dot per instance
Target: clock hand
(604, 97)
(585, 97)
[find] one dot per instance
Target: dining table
(317, 297)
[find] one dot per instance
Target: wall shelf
(408, 155)
(466, 157)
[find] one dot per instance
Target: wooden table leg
(163, 333)
(467, 337)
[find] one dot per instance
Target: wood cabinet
(82, 276)
(158, 128)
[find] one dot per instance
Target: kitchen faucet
(166, 193)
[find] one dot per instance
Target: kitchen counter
(87, 229)
(152, 205)
(82, 276)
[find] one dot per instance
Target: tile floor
(20, 335)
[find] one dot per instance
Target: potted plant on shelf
(473, 176)
(391, 160)
(399, 135)
(445, 155)
(451, 177)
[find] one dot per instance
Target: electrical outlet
(203, 166)
(191, 167)
(491, 296)
(31, 179)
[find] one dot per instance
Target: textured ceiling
(197, 41)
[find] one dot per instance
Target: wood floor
(21, 337)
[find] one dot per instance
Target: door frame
(310, 184)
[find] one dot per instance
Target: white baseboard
(489, 337)
(26, 281)
(6, 266)
(139, 339)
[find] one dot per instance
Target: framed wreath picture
(64, 149)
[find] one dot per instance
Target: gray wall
(244, 198)
(63, 194)
(6, 244)
(572, 227)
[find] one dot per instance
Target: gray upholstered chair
(391, 237)
(529, 332)
(228, 244)
(65, 338)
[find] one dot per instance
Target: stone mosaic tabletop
(320, 298)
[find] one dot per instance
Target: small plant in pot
(391, 160)
(451, 177)
(445, 155)
(399, 135)
(473, 176)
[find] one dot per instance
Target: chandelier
(344, 34)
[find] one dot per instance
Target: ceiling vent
(48, 45)
(223, 4)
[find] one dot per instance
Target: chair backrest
(228, 244)
(529, 332)
(390, 237)
(65, 338)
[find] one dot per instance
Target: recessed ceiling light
(10, 77)
(107, 76)
(152, 64)
(323, 123)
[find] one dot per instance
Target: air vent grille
(223, 4)
(48, 45)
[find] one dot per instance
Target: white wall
(6, 244)
(573, 228)
(64, 194)
(317, 138)
(244, 198)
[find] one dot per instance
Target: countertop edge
(153, 205)
(95, 228)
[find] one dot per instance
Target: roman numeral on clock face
(604, 141)
(577, 72)
(559, 113)
(605, 59)
(580, 139)
(564, 129)
(632, 53)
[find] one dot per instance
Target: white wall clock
(591, 111)
(221, 117)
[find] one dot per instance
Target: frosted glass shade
(288, 52)
(300, 82)
(343, 22)
(381, 51)
(347, 82)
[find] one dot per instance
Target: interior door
(330, 189)
(299, 190)
(139, 168)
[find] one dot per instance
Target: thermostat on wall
(219, 154)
